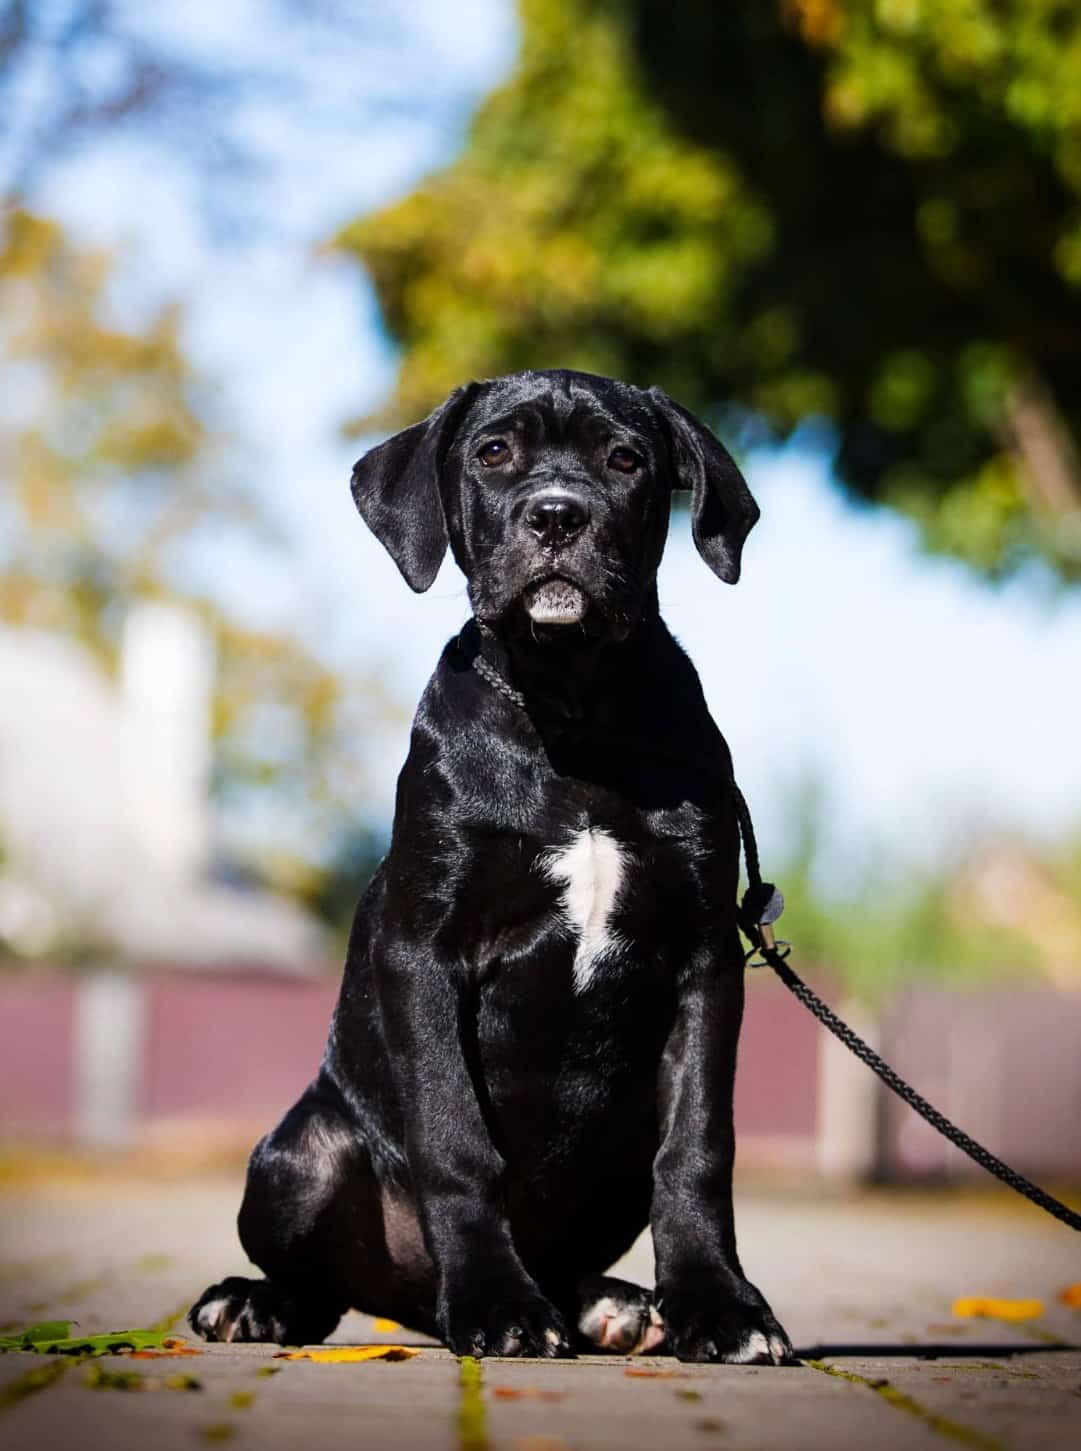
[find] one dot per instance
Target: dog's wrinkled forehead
(560, 409)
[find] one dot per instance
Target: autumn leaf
(643, 1373)
(526, 1393)
(1071, 1296)
(383, 1326)
(54, 1337)
(349, 1354)
(990, 1307)
(161, 1354)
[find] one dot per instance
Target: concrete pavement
(864, 1284)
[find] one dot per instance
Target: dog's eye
(494, 452)
(624, 460)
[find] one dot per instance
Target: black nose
(556, 518)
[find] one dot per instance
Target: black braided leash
(762, 904)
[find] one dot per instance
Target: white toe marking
(594, 1318)
(591, 868)
(778, 1349)
(553, 1337)
(612, 1325)
(754, 1345)
(211, 1315)
(653, 1333)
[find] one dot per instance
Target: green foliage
(54, 1337)
(863, 210)
(114, 468)
(999, 909)
(107, 459)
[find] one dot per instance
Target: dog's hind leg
(302, 1223)
(615, 1315)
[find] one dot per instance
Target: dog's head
(553, 491)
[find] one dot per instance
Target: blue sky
(927, 705)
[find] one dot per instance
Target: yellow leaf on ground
(386, 1327)
(525, 1393)
(1071, 1296)
(990, 1307)
(348, 1354)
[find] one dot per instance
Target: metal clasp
(769, 943)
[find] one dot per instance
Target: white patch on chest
(591, 869)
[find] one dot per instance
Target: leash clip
(766, 942)
(761, 906)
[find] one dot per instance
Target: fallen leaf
(383, 1326)
(347, 1354)
(990, 1307)
(27, 1339)
(642, 1373)
(161, 1354)
(540, 1443)
(54, 1337)
(1071, 1296)
(526, 1393)
(241, 1400)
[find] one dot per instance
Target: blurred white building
(105, 820)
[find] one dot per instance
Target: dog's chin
(556, 602)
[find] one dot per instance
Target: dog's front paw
(517, 1321)
(725, 1322)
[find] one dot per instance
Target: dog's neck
(567, 674)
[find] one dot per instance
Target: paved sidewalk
(864, 1285)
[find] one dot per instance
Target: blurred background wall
(239, 244)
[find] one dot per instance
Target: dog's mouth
(555, 602)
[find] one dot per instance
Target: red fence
(215, 1058)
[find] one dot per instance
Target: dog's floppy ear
(723, 511)
(396, 487)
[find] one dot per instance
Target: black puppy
(533, 1052)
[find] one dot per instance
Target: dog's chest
(591, 872)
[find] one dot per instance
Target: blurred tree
(72, 70)
(114, 466)
(1004, 908)
(104, 446)
(867, 211)
(209, 92)
(112, 469)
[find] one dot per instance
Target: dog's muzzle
(556, 518)
(555, 602)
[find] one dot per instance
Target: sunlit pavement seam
(37, 1378)
(900, 1401)
(472, 1412)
